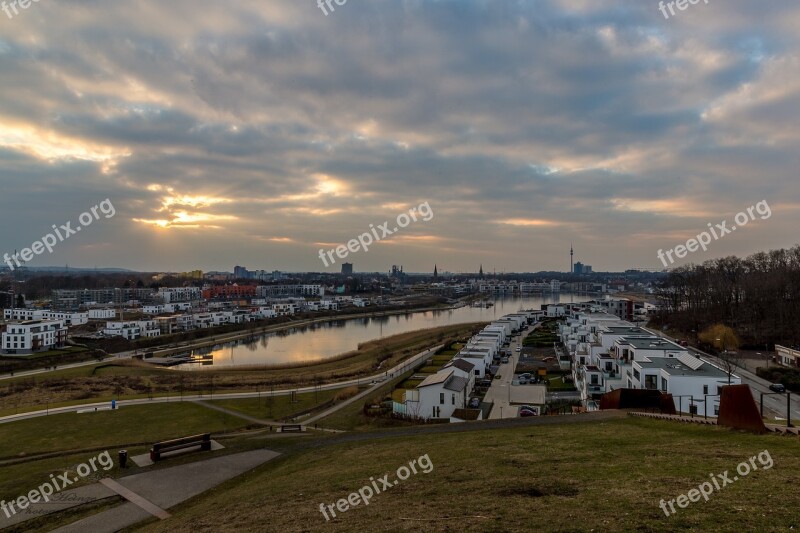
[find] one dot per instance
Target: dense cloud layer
(241, 133)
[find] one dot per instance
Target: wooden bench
(291, 428)
(204, 441)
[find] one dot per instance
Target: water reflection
(328, 339)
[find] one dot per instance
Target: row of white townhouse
(609, 353)
(445, 394)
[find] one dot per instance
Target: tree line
(759, 297)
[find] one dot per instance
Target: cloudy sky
(258, 132)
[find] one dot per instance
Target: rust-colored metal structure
(638, 399)
(738, 409)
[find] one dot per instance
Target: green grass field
(147, 423)
(607, 476)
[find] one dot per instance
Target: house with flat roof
(695, 384)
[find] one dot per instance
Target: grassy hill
(606, 476)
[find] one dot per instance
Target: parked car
(475, 403)
(777, 387)
(504, 360)
(518, 348)
(485, 383)
(526, 375)
(522, 381)
(526, 412)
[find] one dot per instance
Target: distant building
(347, 269)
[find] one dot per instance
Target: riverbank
(131, 379)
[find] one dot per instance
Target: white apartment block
(33, 336)
(101, 314)
(131, 330)
(180, 294)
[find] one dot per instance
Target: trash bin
(123, 458)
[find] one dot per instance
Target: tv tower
(571, 263)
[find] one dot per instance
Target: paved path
(147, 494)
(167, 488)
(500, 391)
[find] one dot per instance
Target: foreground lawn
(606, 476)
(134, 424)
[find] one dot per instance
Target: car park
(777, 387)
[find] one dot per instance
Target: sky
(258, 133)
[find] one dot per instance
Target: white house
(695, 384)
(32, 336)
(439, 395)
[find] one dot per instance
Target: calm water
(321, 341)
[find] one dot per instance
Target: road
(375, 380)
(774, 404)
(500, 391)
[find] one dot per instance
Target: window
(651, 382)
(705, 389)
(441, 397)
(594, 379)
(664, 384)
(637, 375)
(453, 399)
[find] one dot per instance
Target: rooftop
(436, 379)
(456, 383)
(675, 367)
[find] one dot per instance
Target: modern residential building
(695, 384)
(275, 291)
(134, 329)
(25, 338)
(72, 299)
(787, 356)
(180, 294)
(70, 319)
